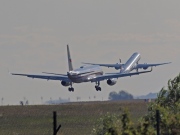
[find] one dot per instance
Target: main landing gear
(97, 86)
(71, 89)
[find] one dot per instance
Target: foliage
(115, 125)
(127, 125)
(170, 97)
(145, 127)
(122, 95)
(168, 104)
(107, 125)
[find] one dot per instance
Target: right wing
(117, 75)
(47, 77)
(150, 65)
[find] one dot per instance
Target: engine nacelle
(63, 83)
(117, 67)
(145, 67)
(111, 81)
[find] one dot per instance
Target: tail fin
(69, 59)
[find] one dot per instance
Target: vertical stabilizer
(69, 59)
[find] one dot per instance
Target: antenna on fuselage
(69, 59)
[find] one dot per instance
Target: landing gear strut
(97, 86)
(71, 89)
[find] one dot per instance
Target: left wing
(116, 66)
(48, 77)
(54, 73)
(117, 75)
(145, 66)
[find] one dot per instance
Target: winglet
(69, 59)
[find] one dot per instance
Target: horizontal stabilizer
(106, 65)
(54, 73)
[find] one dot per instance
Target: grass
(75, 118)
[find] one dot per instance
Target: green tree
(168, 104)
(107, 125)
(115, 125)
(127, 125)
(122, 95)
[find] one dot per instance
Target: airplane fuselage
(84, 74)
(131, 63)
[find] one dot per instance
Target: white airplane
(131, 64)
(89, 73)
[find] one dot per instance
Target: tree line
(122, 95)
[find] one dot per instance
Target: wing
(54, 73)
(117, 65)
(48, 77)
(117, 75)
(145, 66)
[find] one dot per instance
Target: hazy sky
(34, 35)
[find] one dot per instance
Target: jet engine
(111, 81)
(145, 67)
(117, 66)
(63, 83)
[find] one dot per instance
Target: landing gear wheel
(71, 89)
(98, 88)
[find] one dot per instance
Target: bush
(168, 104)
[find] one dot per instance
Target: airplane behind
(89, 73)
(130, 65)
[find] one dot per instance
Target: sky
(34, 35)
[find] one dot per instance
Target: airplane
(87, 73)
(131, 64)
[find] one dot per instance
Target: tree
(168, 104)
(107, 125)
(112, 124)
(122, 95)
